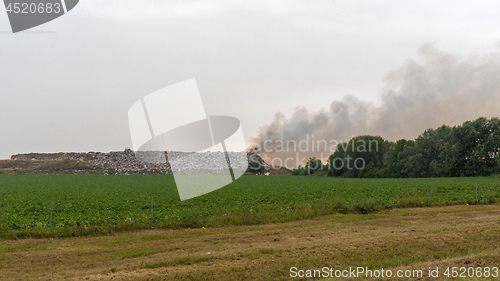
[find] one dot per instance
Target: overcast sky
(67, 85)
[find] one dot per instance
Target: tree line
(470, 149)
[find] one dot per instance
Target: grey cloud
(437, 88)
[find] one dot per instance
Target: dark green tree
(477, 146)
(313, 165)
(432, 155)
(363, 156)
(396, 165)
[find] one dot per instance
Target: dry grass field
(416, 238)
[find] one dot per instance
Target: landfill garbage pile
(127, 162)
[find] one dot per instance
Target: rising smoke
(438, 88)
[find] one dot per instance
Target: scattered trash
(143, 162)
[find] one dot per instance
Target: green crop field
(86, 204)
